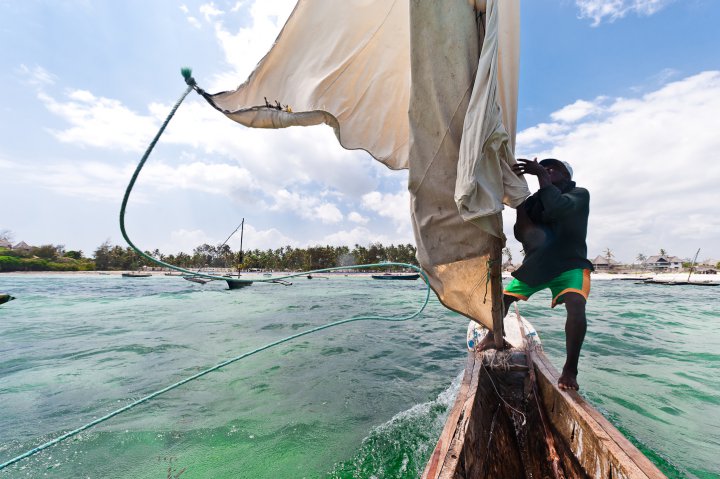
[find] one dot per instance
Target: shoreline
(595, 276)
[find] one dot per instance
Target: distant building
(22, 246)
(663, 262)
(706, 270)
(602, 263)
(5, 244)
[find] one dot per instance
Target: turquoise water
(364, 400)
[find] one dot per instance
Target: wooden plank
(496, 288)
(446, 453)
(601, 449)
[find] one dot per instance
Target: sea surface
(361, 400)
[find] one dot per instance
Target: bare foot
(488, 342)
(568, 381)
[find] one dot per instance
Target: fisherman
(552, 226)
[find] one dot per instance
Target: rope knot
(187, 75)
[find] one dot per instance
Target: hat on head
(563, 164)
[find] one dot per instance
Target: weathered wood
(447, 451)
(496, 288)
(485, 435)
(598, 446)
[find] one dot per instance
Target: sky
(626, 91)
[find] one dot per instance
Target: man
(552, 226)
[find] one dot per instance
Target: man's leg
(488, 342)
(575, 327)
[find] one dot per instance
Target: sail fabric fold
(487, 145)
(419, 85)
(345, 64)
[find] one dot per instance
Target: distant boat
(401, 276)
(136, 274)
(4, 298)
(239, 283)
(680, 283)
(172, 273)
(197, 279)
(687, 282)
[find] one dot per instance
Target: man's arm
(558, 205)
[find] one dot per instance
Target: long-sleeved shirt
(552, 227)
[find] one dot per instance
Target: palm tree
(663, 252)
(506, 251)
(641, 258)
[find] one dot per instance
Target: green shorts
(575, 281)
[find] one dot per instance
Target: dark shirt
(552, 226)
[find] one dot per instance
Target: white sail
(424, 85)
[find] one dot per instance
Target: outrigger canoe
(510, 420)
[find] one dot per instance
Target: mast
(240, 258)
(693, 264)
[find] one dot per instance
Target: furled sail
(428, 86)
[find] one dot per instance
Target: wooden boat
(680, 283)
(238, 283)
(196, 279)
(510, 420)
(136, 274)
(397, 276)
(4, 298)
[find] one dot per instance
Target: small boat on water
(680, 283)
(510, 420)
(687, 282)
(4, 298)
(196, 279)
(174, 273)
(136, 274)
(397, 276)
(238, 283)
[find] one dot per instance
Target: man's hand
(532, 167)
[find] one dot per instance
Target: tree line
(109, 257)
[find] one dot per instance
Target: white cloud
(611, 10)
(388, 205)
(210, 11)
(186, 240)
(308, 207)
(646, 162)
(356, 217)
(575, 111)
(395, 207)
(359, 235)
(100, 122)
(37, 76)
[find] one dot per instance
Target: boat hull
(484, 435)
(238, 284)
(405, 277)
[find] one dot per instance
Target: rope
(192, 85)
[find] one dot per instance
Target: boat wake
(400, 447)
